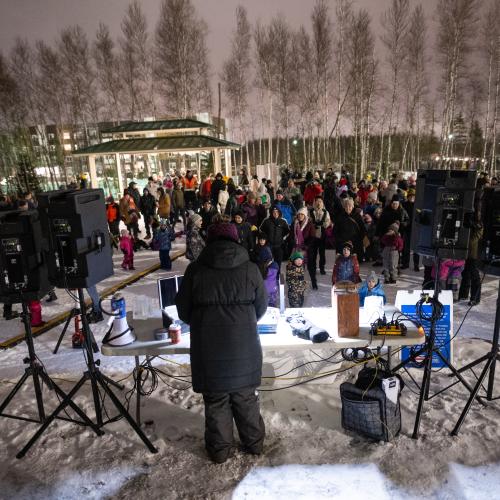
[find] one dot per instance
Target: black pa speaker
(79, 247)
(492, 223)
(443, 206)
(23, 269)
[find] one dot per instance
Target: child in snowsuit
(295, 278)
(194, 241)
(450, 272)
(163, 241)
(269, 270)
(127, 248)
(346, 266)
(371, 288)
(392, 244)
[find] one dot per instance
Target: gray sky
(44, 19)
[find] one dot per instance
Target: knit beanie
(222, 231)
(371, 277)
(195, 218)
(296, 255)
(395, 197)
(303, 210)
(394, 227)
(348, 244)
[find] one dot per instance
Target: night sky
(44, 19)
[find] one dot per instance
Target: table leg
(137, 391)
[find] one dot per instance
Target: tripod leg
(65, 402)
(74, 406)
(38, 394)
(496, 335)
(113, 383)
(473, 395)
(66, 325)
(123, 411)
(12, 393)
(459, 376)
(424, 389)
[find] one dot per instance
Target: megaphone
(119, 333)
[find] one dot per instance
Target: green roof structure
(181, 123)
(156, 145)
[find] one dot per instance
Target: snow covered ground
(306, 455)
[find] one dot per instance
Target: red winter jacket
(312, 190)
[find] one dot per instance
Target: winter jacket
(312, 190)
(246, 236)
(127, 245)
(390, 216)
(349, 227)
(112, 212)
(148, 204)
(194, 244)
(286, 208)
(217, 185)
(250, 212)
(178, 198)
(135, 194)
(276, 230)
(164, 206)
(163, 239)
(392, 241)
(346, 269)
(221, 297)
(376, 291)
(295, 279)
(321, 220)
(222, 200)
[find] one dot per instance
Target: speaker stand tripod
(429, 349)
(491, 359)
(97, 381)
(75, 312)
(36, 370)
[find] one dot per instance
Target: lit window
(66, 135)
(67, 147)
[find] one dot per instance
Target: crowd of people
(297, 221)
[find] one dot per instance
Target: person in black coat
(147, 206)
(217, 185)
(221, 297)
(349, 226)
(392, 213)
(276, 229)
(246, 237)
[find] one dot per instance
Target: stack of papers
(269, 322)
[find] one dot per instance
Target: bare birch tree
(108, 73)
(395, 23)
(286, 74)
(343, 20)
(182, 66)
(306, 93)
(322, 57)
(266, 76)
(491, 51)
(236, 76)
(457, 19)
(134, 59)
(52, 92)
(362, 68)
(415, 83)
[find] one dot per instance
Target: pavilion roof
(157, 145)
(181, 123)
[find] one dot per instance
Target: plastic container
(174, 332)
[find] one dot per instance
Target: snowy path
(307, 454)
